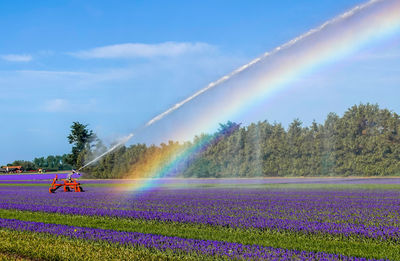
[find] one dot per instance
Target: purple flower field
(30, 177)
(374, 214)
(371, 213)
(27, 178)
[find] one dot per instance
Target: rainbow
(151, 169)
(272, 73)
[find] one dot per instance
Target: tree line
(80, 137)
(365, 141)
(49, 163)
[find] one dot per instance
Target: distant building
(12, 169)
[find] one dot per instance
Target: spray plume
(239, 70)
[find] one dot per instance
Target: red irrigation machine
(69, 184)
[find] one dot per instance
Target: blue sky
(116, 64)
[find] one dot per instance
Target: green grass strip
(21, 245)
(8, 257)
(352, 246)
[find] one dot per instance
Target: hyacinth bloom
(362, 213)
(30, 177)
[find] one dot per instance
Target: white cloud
(71, 78)
(56, 105)
(17, 57)
(53, 73)
(139, 50)
(64, 105)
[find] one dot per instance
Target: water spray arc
(119, 144)
(394, 8)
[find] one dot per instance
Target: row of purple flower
(340, 206)
(175, 244)
(233, 181)
(366, 213)
(381, 232)
(30, 177)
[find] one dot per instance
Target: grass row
(18, 245)
(7, 257)
(353, 246)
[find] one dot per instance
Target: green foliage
(53, 163)
(81, 138)
(364, 142)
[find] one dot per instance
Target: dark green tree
(53, 163)
(81, 138)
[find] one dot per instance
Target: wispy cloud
(64, 105)
(69, 79)
(53, 73)
(56, 105)
(17, 57)
(140, 50)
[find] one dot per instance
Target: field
(203, 219)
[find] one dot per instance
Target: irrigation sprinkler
(69, 184)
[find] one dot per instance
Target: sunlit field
(200, 130)
(200, 219)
